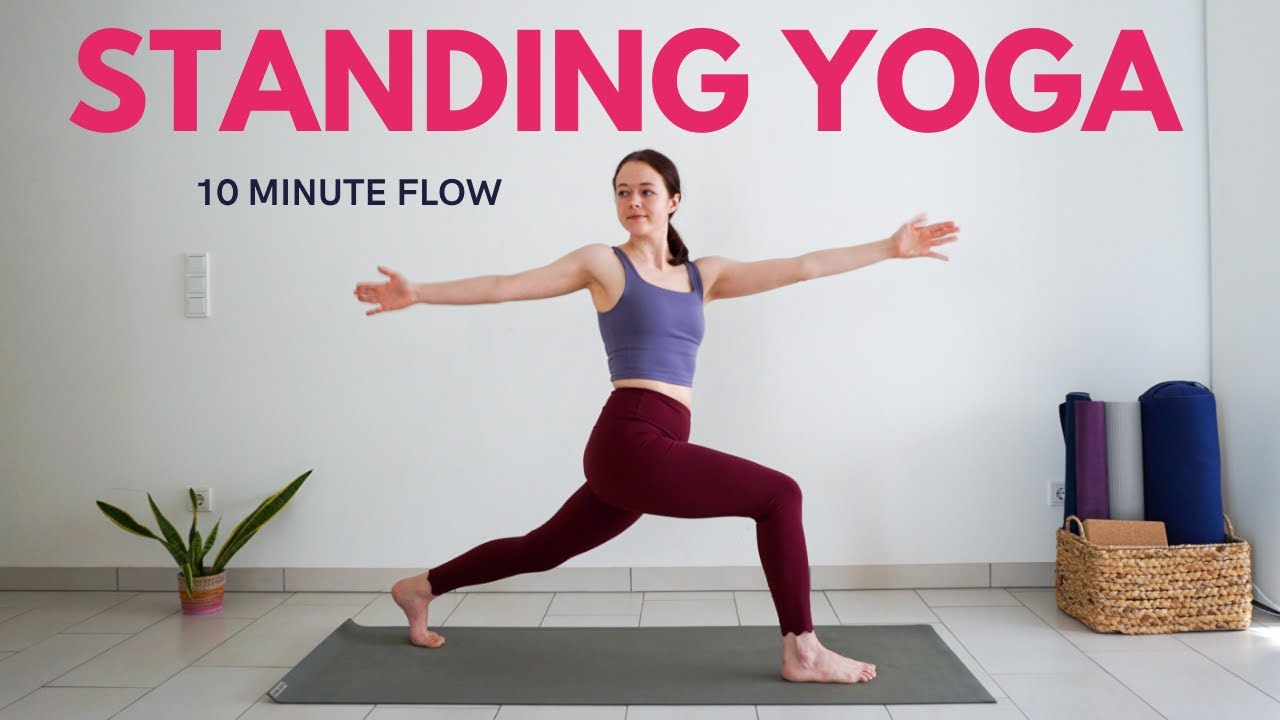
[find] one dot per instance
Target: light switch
(196, 285)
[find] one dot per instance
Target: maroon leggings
(639, 461)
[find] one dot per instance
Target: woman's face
(642, 201)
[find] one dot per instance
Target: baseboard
(1267, 603)
(564, 579)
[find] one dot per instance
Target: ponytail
(679, 253)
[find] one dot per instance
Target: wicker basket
(208, 594)
(1151, 590)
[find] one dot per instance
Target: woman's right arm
(575, 271)
(570, 273)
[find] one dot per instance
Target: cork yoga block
(1128, 533)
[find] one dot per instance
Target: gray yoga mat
(620, 666)
(1124, 460)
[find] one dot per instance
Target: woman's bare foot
(413, 595)
(804, 659)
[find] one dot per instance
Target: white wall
(1243, 178)
(915, 401)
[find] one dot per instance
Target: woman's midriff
(678, 392)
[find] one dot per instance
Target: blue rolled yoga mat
(1067, 418)
(1091, 461)
(1124, 460)
(1181, 465)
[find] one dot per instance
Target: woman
(649, 298)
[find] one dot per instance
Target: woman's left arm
(725, 278)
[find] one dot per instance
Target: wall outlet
(204, 499)
(1057, 493)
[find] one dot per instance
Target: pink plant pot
(207, 598)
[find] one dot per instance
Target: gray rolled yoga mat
(620, 666)
(1124, 460)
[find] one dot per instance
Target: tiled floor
(99, 655)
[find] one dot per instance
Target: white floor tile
(880, 607)
(331, 598)
(970, 663)
(822, 712)
(12, 611)
(691, 712)
(591, 621)
(1184, 685)
(1045, 607)
(72, 704)
(1013, 640)
(967, 598)
(1252, 654)
(385, 612)
(1072, 696)
(694, 595)
(1002, 710)
(206, 693)
(19, 598)
(153, 655)
(89, 600)
(268, 709)
(133, 615)
(603, 603)
(561, 712)
(71, 668)
(55, 613)
(685, 613)
(281, 638)
(37, 625)
(432, 712)
(251, 605)
(26, 671)
(756, 608)
(499, 610)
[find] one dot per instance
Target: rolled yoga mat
(1181, 465)
(1091, 461)
(620, 666)
(1124, 460)
(1067, 418)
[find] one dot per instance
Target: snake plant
(190, 554)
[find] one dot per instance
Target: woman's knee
(786, 490)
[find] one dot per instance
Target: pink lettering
(441, 44)
(963, 94)
(393, 101)
(185, 44)
(133, 101)
(620, 95)
(829, 74)
(1131, 50)
(528, 80)
(1066, 87)
(269, 51)
(666, 91)
(574, 56)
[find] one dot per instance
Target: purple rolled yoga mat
(1091, 461)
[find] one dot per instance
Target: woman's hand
(914, 239)
(394, 294)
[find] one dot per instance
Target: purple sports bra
(652, 332)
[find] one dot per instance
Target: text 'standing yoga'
(394, 99)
